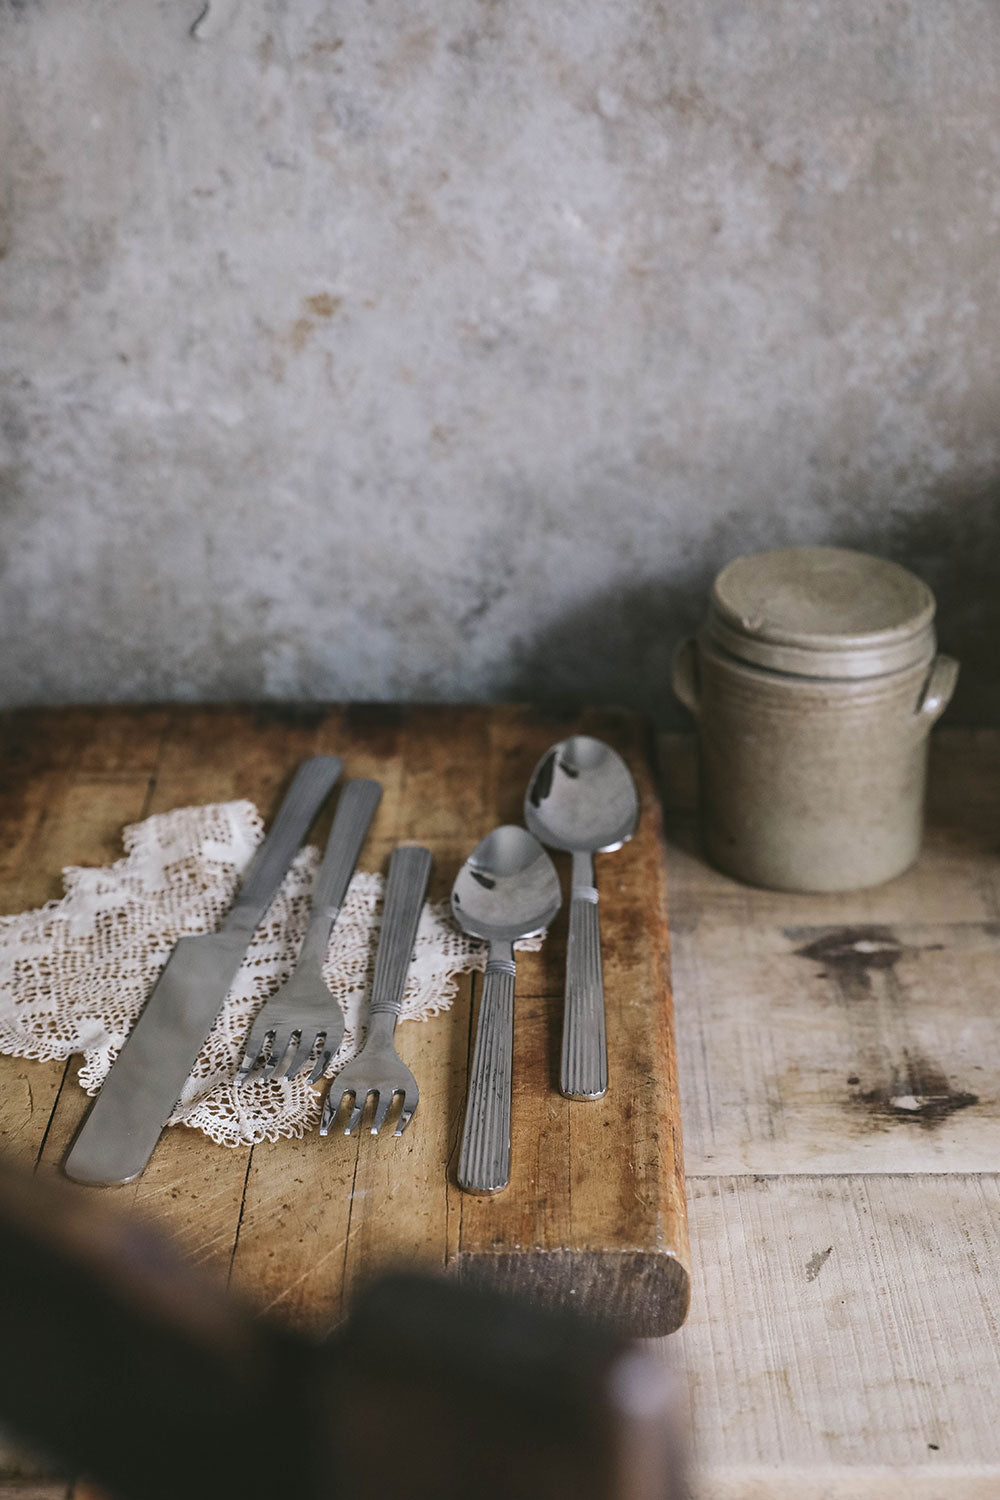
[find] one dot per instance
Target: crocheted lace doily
(75, 973)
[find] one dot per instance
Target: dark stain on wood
(911, 1091)
(851, 954)
(918, 1092)
(816, 1262)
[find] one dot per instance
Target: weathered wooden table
(594, 1215)
(839, 1081)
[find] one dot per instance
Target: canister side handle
(685, 675)
(938, 688)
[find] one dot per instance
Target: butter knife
(138, 1096)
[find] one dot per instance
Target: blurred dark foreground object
(131, 1369)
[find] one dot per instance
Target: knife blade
(136, 1100)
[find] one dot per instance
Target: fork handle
(409, 871)
(309, 789)
(484, 1160)
(355, 811)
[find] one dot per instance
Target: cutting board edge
(642, 1293)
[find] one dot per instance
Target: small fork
(378, 1069)
(303, 1015)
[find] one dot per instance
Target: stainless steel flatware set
(581, 799)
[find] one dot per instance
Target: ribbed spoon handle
(484, 1161)
(584, 1068)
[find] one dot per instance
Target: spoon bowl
(507, 889)
(581, 799)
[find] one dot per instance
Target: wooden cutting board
(594, 1216)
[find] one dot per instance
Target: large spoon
(582, 799)
(507, 889)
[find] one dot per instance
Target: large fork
(378, 1069)
(303, 1015)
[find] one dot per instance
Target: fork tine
(279, 1050)
(407, 1115)
(331, 1109)
(360, 1100)
(385, 1099)
(282, 1052)
(256, 1048)
(302, 1054)
(323, 1061)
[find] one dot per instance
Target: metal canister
(814, 684)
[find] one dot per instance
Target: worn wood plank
(70, 781)
(215, 754)
(803, 1383)
(594, 1211)
(28, 1094)
(843, 1323)
(844, 1033)
(401, 1195)
(839, 1049)
(820, 1482)
(289, 1257)
(78, 822)
(24, 799)
(44, 754)
(404, 1202)
(109, 739)
(350, 1206)
(39, 1489)
(193, 1190)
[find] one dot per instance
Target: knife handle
(357, 806)
(310, 787)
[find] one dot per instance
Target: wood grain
(595, 1213)
(847, 1033)
(596, 1195)
(843, 1322)
(857, 1482)
(840, 1049)
(840, 1087)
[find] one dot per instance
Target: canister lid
(822, 612)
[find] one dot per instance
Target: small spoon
(507, 889)
(582, 799)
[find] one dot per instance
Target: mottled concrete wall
(445, 350)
